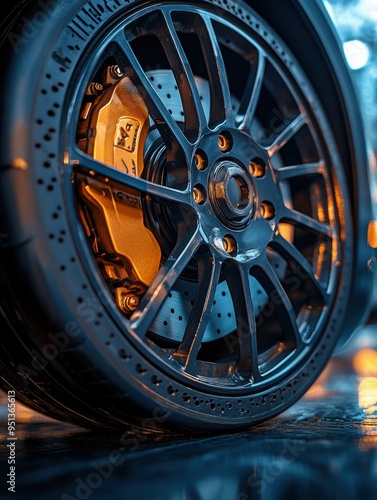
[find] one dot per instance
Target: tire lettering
(79, 29)
(59, 57)
(112, 5)
(88, 20)
(96, 11)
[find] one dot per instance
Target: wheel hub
(231, 194)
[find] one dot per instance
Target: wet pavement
(323, 447)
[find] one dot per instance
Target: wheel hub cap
(232, 194)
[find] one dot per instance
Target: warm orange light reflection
(372, 234)
(24, 414)
(365, 362)
(319, 390)
(368, 442)
(365, 366)
(368, 395)
(19, 163)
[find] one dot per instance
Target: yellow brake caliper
(117, 131)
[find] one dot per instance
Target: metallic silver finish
(232, 194)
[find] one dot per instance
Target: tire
(177, 229)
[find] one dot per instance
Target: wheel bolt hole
(267, 210)
(230, 245)
(200, 159)
(199, 194)
(225, 142)
(257, 168)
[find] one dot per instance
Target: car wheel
(176, 223)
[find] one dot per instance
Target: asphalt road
(324, 447)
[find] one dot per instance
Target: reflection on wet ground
(324, 447)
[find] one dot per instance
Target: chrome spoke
(306, 169)
(195, 119)
(306, 222)
(279, 300)
(171, 133)
(221, 103)
(208, 278)
(290, 252)
(162, 284)
(238, 280)
(87, 165)
(252, 95)
(286, 135)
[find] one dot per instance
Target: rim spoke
(279, 299)
(87, 165)
(208, 277)
(171, 133)
(239, 287)
(195, 119)
(288, 252)
(165, 279)
(253, 91)
(286, 135)
(293, 171)
(305, 221)
(221, 103)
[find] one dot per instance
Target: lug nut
(230, 245)
(199, 194)
(126, 301)
(130, 303)
(111, 75)
(200, 161)
(94, 89)
(257, 168)
(224, 142)
(267, 210)
(115, 71)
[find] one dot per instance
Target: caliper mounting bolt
(126, 301)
